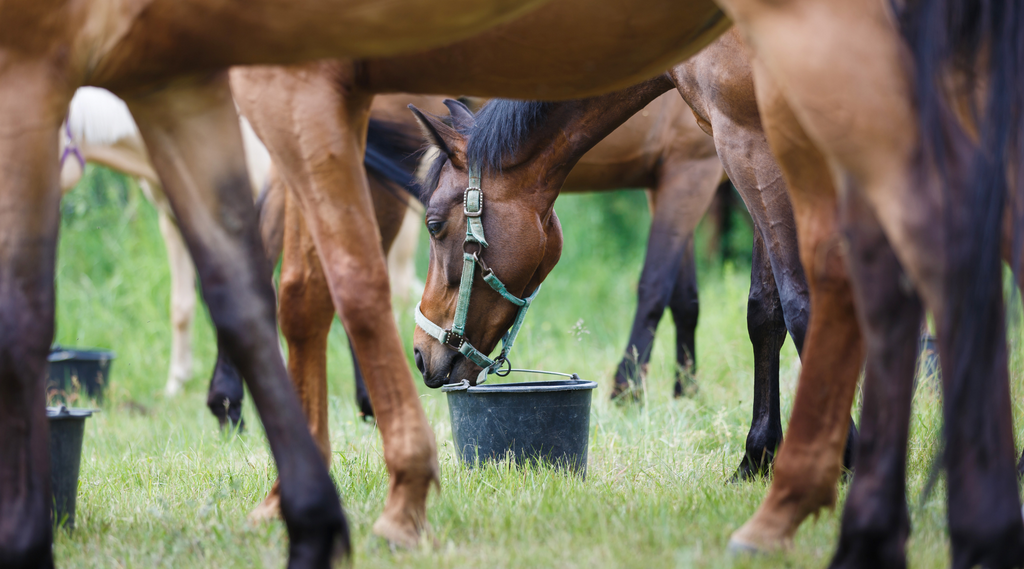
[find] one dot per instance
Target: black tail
(981, 41)
(392, 154)
(972, 50)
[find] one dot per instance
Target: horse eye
(435, 227)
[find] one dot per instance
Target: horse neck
(632, 155)
(572, 128)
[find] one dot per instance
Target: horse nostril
(420, 365)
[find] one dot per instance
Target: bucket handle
(464, 384)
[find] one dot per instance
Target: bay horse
(168, 61)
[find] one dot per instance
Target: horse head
(500, 225)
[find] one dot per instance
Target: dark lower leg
(685, 308)
(875, 522)
(657, 282)
(29, 219)
(767, 329)
(225, 395)
(362, 396)
(26, 330)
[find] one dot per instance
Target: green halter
(455, 337)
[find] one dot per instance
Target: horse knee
(364, 298)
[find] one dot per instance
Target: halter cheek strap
(455, 337)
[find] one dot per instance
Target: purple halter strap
(71, 149)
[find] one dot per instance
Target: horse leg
(225, 393)
(402, 258)
(767, 328)
(685, 309)
(362, 395)
(29, 219)
(876, 522)
(271, 205)
(183, 297)
(683, 194)
(808, 463)
(323, 167)
(191, 130)
(305, 314)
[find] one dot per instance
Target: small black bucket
(67, 427)
(545, 421)
(74, 370)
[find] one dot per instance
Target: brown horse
(166, 60)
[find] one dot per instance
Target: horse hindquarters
(182, 126)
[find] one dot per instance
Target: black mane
(501, 127)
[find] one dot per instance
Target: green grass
(161, 487)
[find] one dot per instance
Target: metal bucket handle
(464, 384)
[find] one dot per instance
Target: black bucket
(546, 421)
(73, 370)
(67, 427)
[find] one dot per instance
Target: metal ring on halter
(475, 254)
(504, 362)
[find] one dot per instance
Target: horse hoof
(173, 388)
(268, 510)
(398, 535)
(737, 547)
(626, 394)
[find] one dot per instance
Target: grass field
(160, 486)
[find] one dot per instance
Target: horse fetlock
(404, 519)
(317, 529)
(780, 515)
(269, 508)
(412, 474)
(763, 441)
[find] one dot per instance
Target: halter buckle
(450, 336)
(473, 202)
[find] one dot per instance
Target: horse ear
(445, 138)
(462, 117)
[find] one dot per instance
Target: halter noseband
(455, 337)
